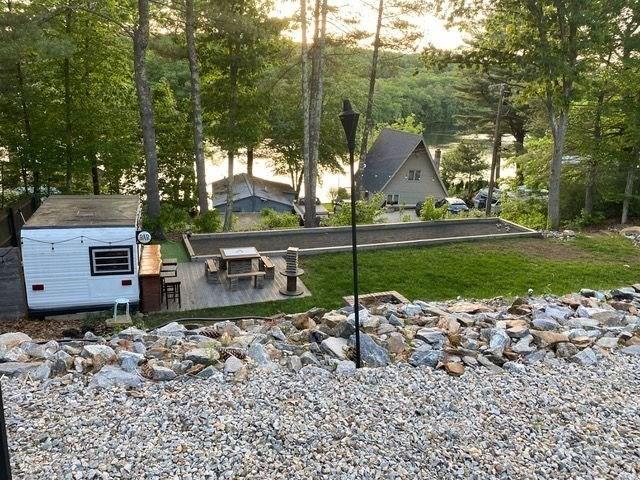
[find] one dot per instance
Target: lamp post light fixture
(349, 119)
(5, 465)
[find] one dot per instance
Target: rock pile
(494, 336)
(633, 234)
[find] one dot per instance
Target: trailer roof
(72, 211)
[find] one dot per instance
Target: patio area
(197, 293)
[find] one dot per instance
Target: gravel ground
(556, 421)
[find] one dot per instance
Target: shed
(400, 165)
(80, 253)
(254, 194)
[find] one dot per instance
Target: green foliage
(272, 220)
(531, 213)
(585, 220)
(172, 219)
(405, 218)
(171, 249)
(463, 165)
(429, 211)
(471, 213)
(339, 194)
(367, 212)
(208, 222)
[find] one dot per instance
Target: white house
(80, 253)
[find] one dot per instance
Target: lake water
(262, 166)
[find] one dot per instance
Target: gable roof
(387, 154)
(245, 186)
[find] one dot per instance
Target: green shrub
(531, 213)
(405, 218)
(272, 220)
(585, 220)
(338, 194)
(209, 222)
(472, 213)
(172, 219)
(367, 212)
(429, 211)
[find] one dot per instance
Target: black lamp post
(5, 465)
(349, 119)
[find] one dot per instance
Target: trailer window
(111, 260)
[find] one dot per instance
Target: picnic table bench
(257, 279)
(211, 271)
(267, 266)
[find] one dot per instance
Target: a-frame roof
(387, 154)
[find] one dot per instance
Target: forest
(124, 96)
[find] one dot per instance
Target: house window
(417, 176)
(111, 260)
(414, 175)
(392, 199)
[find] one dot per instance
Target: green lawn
(171, 249)
(472, 270)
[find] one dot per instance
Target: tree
(315, 90)
(404, 36)
(190, 27)
(547, 43)
(140, 43)
(243, 40)
(464, 161)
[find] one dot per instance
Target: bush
(367, 212)
(272, 220)
(209, 222)
(172, 219)
(472, 213)
(429, 211)
(531, 213)
(584, 220)
(405, 218)
(338, 194)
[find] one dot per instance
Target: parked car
(480, 199)
(454, 205)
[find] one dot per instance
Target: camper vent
(85, 213)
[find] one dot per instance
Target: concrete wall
(13, 304)
(411, 192)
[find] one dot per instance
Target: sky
(365, 13)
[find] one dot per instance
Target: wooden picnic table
(239, 260)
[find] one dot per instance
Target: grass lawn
(172, 249)
(472, 270)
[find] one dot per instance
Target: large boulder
(259, 354)
(100, 355)
(13, 339)
(498, 341)
(203, 356)
(372, 354)
(14, 369)
(426, 356)
(110, 376)
(335, 347)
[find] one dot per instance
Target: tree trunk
(559, 130)
(145, 106)
(28, 134)
(250, 161)
(201, 180)
(228, 213)
(519, 150)
(368, 116)
(317, 78)
(495, 154)
(233, 107)
(304, 59)
(628, 192)
(95, 172)
(593, 161)
(67, 111)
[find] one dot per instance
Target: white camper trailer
(80, 253)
